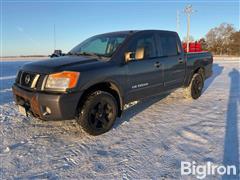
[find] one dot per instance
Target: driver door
(144, 71)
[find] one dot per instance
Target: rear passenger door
(145, 77)
(172, 59)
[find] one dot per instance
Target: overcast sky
(27, 26)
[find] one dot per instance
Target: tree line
(222, 40)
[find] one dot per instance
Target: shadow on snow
(231, 142)
(217, 70)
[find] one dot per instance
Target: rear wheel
(194, 90)
(98, 113)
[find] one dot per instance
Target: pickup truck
(94, 81)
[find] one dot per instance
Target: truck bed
(199, 59)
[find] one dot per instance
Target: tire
(194, 90)
(98, 113)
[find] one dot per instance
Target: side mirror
(138, 55)
(57, 53)
(129, 56)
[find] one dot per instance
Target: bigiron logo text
(203, 170)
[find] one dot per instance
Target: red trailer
(193, 47)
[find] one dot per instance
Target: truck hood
(60, 64)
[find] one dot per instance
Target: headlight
(62, 80)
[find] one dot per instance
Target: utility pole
(188, 11)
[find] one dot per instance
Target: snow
(149, 141)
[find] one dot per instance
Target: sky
(27, 26)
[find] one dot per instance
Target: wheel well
(200, 70)
(107, 87)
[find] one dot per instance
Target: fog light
(48, 110)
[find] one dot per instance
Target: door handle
(157, 64)
(180, 60)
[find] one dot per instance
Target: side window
(168, 45)
(144, 47)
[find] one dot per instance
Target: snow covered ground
(149, 141)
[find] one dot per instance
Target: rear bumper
(208, 71)
(62, 106)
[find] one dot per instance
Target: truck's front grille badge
(27, 79)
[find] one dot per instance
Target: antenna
(177, 21)
(54, 38)
(188, 11)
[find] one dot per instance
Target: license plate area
(22, 110)
(24, 105)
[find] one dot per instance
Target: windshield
(101, 45)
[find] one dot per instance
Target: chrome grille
(27, 79)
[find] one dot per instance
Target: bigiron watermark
(203, 170)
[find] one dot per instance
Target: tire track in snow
(5, 90)
(7, 77)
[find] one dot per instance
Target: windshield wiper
(74, 53)
(85, 54)
(88, 54)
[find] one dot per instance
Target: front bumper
(62, 106)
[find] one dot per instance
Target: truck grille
(27, 79)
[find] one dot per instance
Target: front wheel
(194, 90)
(98, 113)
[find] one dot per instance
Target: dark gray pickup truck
(96, 78)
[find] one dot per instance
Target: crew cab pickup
(94, 81)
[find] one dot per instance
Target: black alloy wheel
(98, 113)
(101, 115)
(197, 86)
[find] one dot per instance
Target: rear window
(168, 45)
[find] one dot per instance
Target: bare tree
(235, 43)
(218, 39)
(203, 42)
